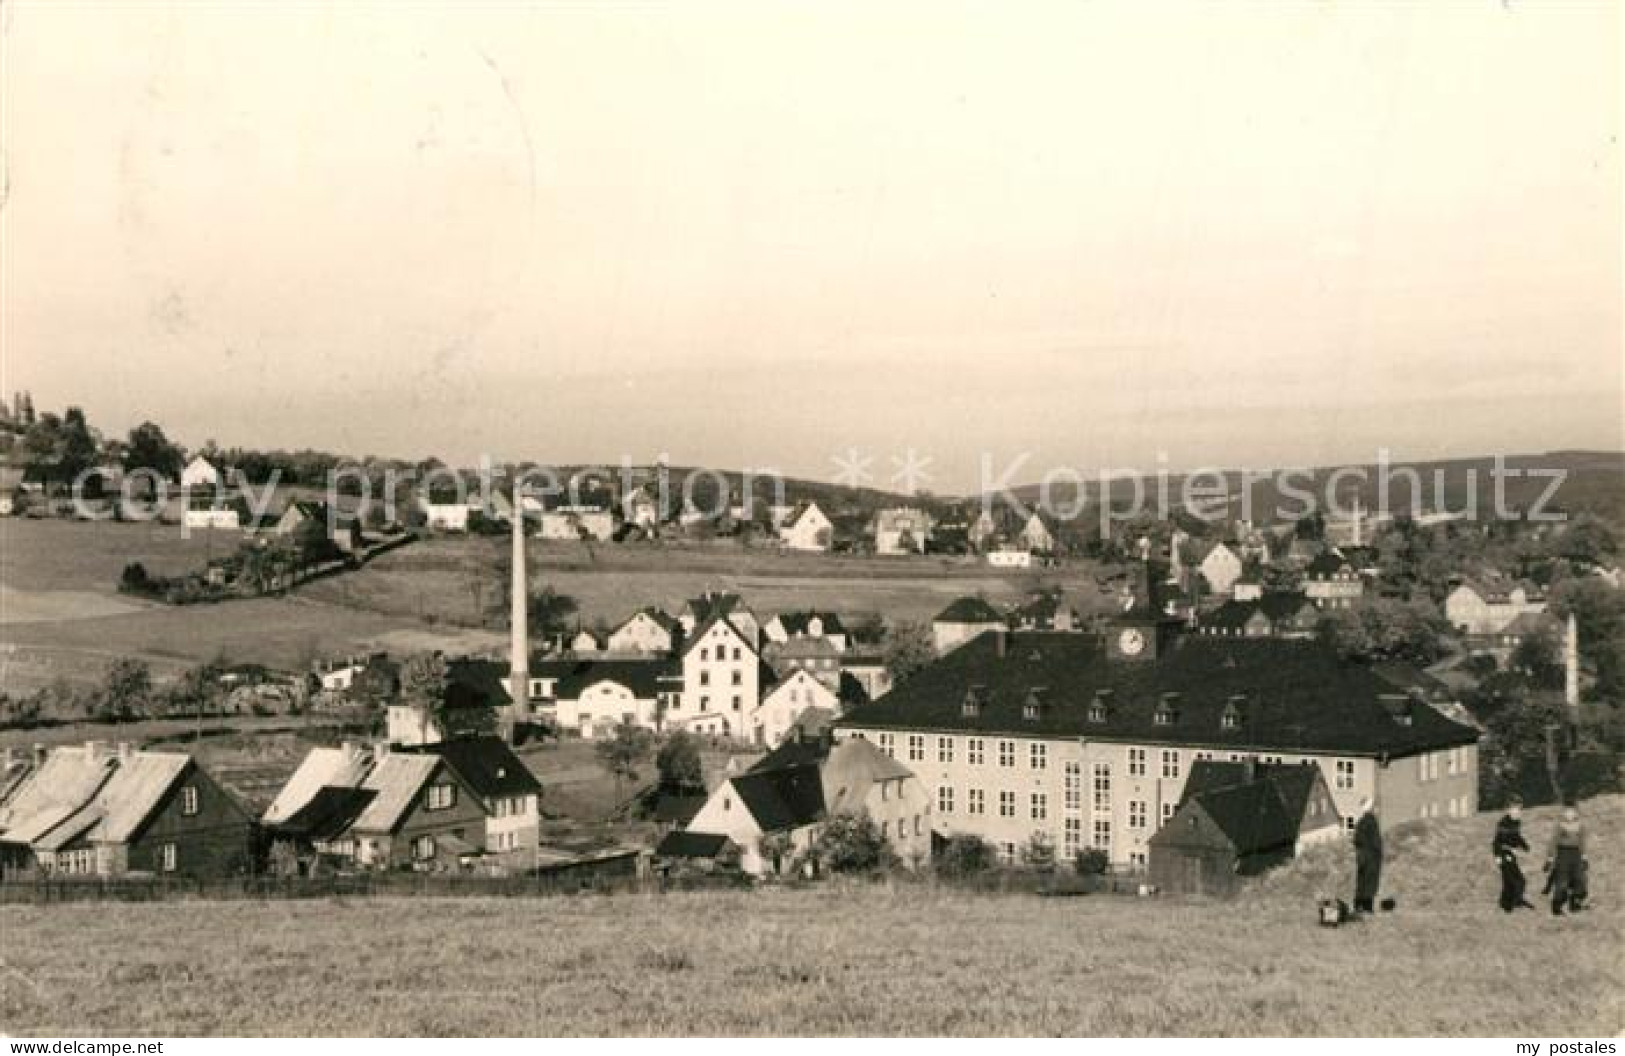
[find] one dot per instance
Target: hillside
(1594, 483)
(904, 958)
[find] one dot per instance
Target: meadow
(453, 578)
(893, 957)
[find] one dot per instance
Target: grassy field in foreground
(904, 958)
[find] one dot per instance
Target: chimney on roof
(93, 750)
(1001, 645)
(1250, 768)
(124, 751)
(39, 755)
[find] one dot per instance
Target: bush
(851, 843)
(964, 855)
(1091, 861)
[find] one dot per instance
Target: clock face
(1130, 642)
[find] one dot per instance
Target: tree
(906, 649)
(622, 752)
(150, 449)
(678, 762)
(1381, 629)
(77, 449)
(126, 689)
(851, 843)
(423, 688)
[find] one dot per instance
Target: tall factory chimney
(1571, 664)
(519, 619)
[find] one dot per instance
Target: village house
(818, 657)
(649, 631)
(476, 698)
(200, 473)
(1277, 614)
(590, 697)
(1036, 536)
(825, 625)
(1332, 582)
(378, 808)
(306, 516)
(962, 620)
(801, 784)
(208, 509)
(1087, 739)
(784, 705)
(1220, 568)
(577, 523)
(445, 513)
(902, 530)
(103, 810)
(1045, 610)
(506, 789)
(718, 605)
(806, 527)
(866, 672)
(1236, 820)
(1488, 606)
(721, 676)
(1010, 557)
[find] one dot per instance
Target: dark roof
(793, 751)
(1293, 781)
(1251, 816)
(1406, 676)
(487, 764)
(646, 678)
(1326, 565)
(969, 610)
(327, 814)
(476, 684)
(1276, 606)
(679, 844)
(677, 808)
(782, 798)
(1296, 695)
(795, 623)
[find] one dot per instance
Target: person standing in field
(1566, 862)
(1505, 847)
(1367, 858)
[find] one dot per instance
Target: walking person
(1367, 858)
(1566, 862)
(1505, 847)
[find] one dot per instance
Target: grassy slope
(874, 960)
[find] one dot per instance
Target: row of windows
(738, 678)
(1428, 762)
(722, 654)
(975, 750)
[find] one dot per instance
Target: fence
(619, 873)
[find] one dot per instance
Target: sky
(744, 235)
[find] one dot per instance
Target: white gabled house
(648, 631)
(798, 786)
(782, 705)
(806, 527)
(201, 473)
(721, 672)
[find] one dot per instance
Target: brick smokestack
(1571, 664)
(519, 619)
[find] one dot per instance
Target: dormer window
(1037, 701)
(1100, 707)
(1234, 709)
(1399, 707)
(975, 701)
(1167, 712)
